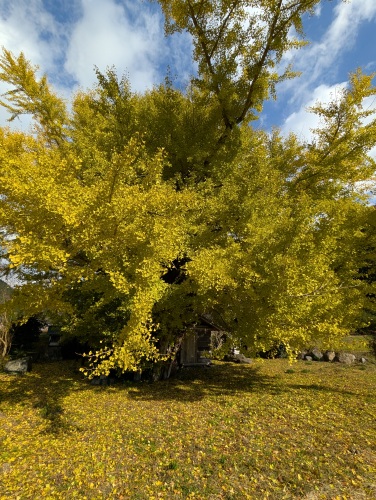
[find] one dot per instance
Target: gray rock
(329, 355)
(308, 358)
(316, 354)
(237, 358)
(240, 358)
(21, 365)
(362, 360)
(345, 357)
(301, 355)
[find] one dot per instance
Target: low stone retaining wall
(331, 356)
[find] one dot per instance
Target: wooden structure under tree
(199, 342)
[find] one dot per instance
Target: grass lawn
(268, 430)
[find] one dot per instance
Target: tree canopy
(127, 216)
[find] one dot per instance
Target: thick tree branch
(260, 64)
(208, 60)
(223, 26)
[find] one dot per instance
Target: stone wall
(331, 356)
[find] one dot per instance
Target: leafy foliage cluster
(263, 431)
(131, 215)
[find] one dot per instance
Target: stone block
(329, 356)
(316, 354)
(21, 365)
(345, 357)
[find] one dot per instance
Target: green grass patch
(357, 344)
(230, 431)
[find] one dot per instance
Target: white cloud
(318, 9)
(69, 42)
(25, 26)
(319, 58)
(105, 36)
(302, 122)
(343, 31)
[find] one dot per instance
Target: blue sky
(67, 38)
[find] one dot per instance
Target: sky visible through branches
(67, 39)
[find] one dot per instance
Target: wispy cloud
(320, 63)
(127, 36)
(26, 26)
(302, 122)
(67, 39)
(320, 60)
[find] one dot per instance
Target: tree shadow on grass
(194, 384)
(49, 383)
(44, 389)
(321, 388)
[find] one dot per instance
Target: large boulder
(21, 365)
(329, 355)
(345, 357)
(316, 354)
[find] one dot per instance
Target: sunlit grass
(269, 430)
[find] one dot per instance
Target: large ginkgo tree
(127, 216)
